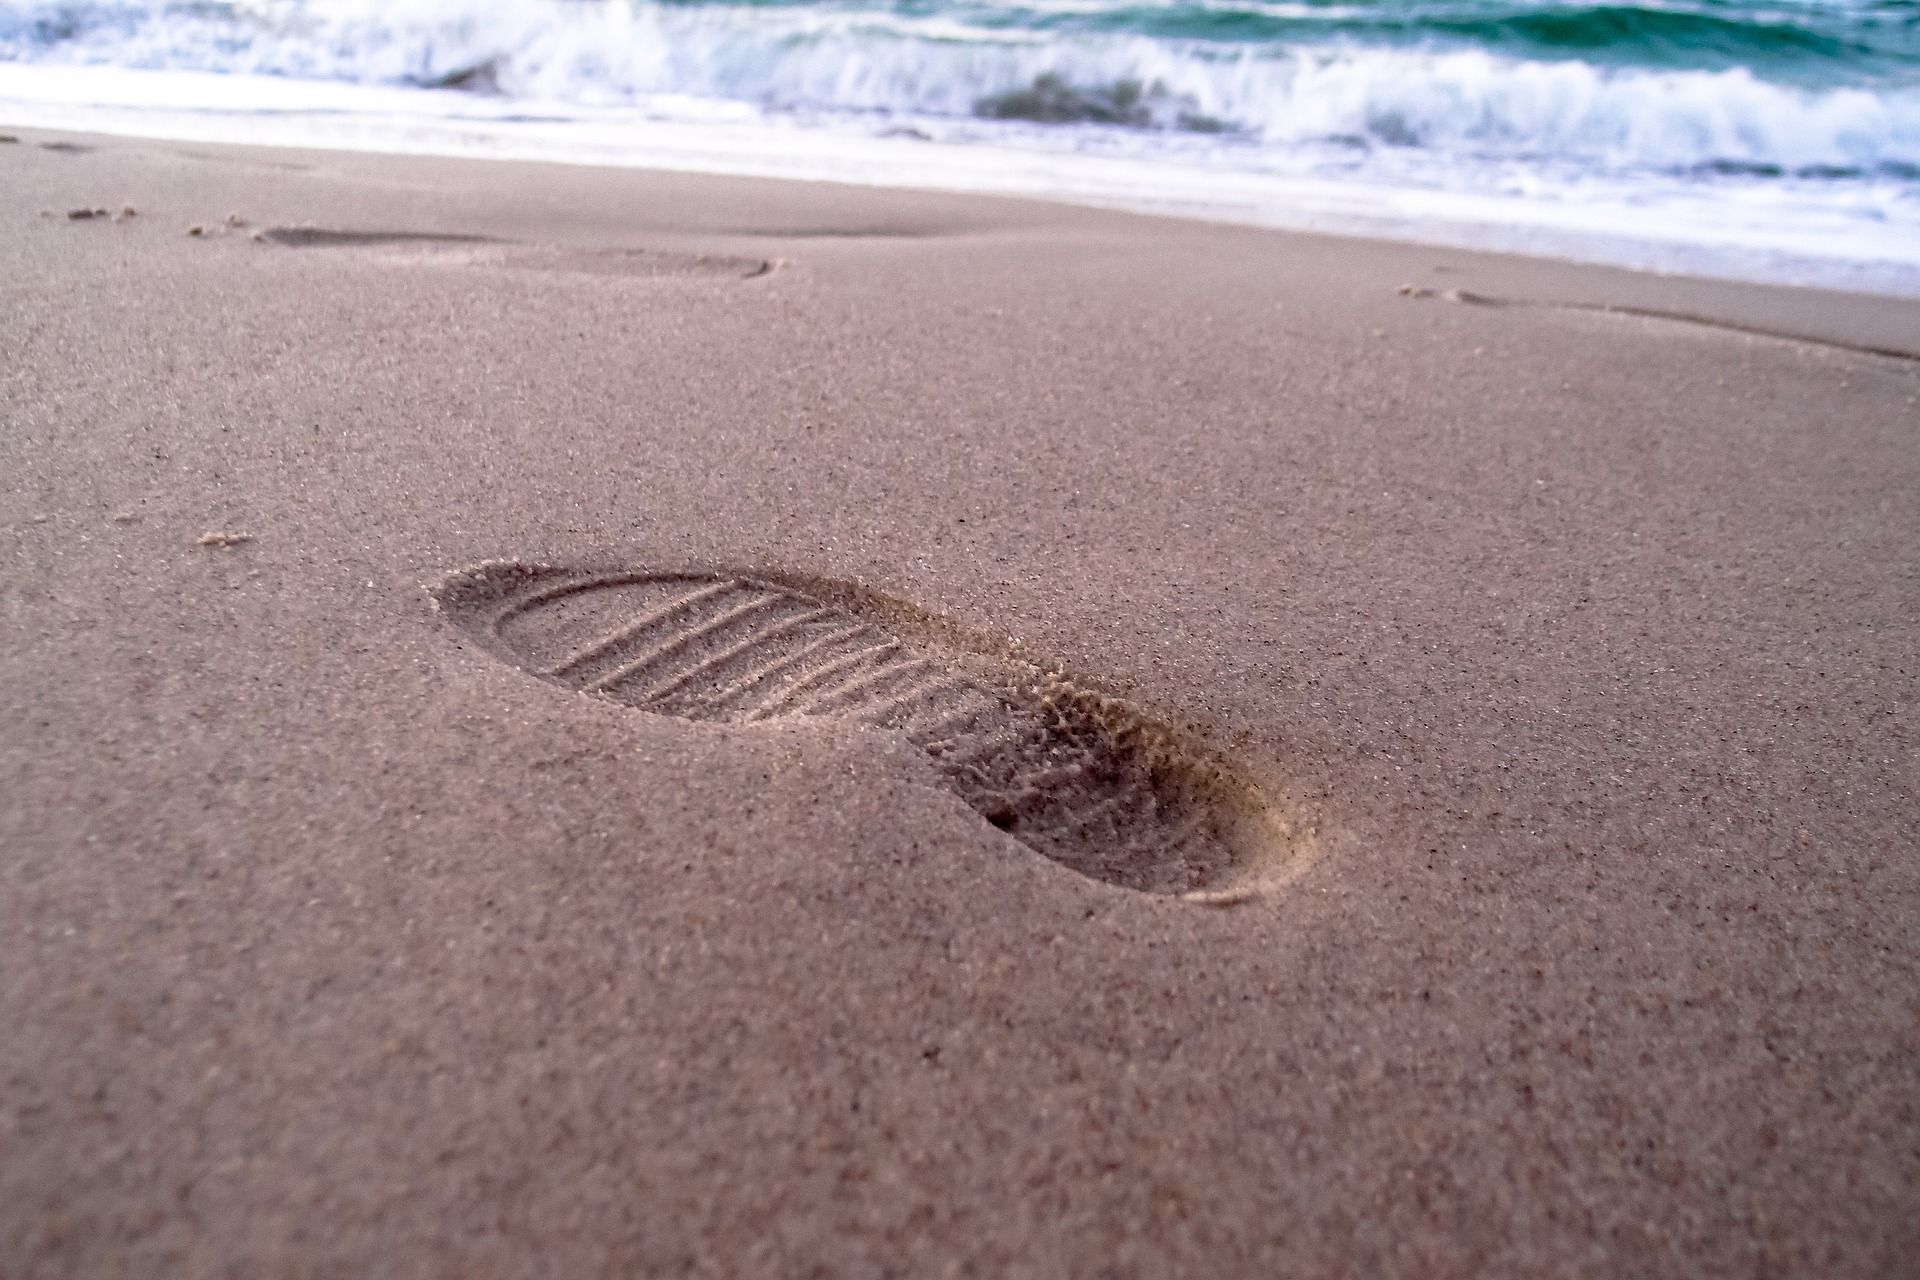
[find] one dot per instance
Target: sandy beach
(1518, 658)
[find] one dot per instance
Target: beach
(1560, 619)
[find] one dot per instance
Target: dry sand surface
(587, 723)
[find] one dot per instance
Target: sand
(1570, 651)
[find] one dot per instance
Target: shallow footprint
(1079, 777)
(455, 249)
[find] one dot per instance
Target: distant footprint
(472, 250)
(1468, 298)
(324, 238)
(246, 161)
(1081, 778)
(836, 233)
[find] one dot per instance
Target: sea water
(1766, 139)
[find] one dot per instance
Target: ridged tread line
(780, 665)
(832, 670)
(715, 662)
(636, 628)
(868, 687)
(653, 659)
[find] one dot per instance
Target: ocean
(1773, 140)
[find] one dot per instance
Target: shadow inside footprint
(1082, 778)
(454, 249)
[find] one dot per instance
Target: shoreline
(1622, 237)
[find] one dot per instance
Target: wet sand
(1569, 650)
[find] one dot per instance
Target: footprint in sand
(452, 249)
(1079, 777)
(1468, 298)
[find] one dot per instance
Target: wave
(1785, 39)
(1032, 63)
(1812, 41)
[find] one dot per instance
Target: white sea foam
(827, 59)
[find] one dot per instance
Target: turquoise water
(1827, 42)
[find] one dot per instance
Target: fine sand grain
(1021, 742)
